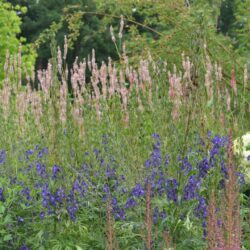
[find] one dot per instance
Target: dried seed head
(112, 34)
(121, 27)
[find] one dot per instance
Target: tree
(10, 24)
(64, 17)
(241, 28)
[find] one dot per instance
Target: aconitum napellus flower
(138, 191)
(130, 203)
(40, 169)
(1, 195)
(203, 167)
(172, 186)
(191, 188)
(28, 153)
(24, 247)
(55, 170)
(2, 156)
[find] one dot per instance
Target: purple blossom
(241, 178)
(224, 170)
(26, 193)
(156, 136)
(191, 188)
(42, 215)
(28, 153)
(40, 169)
(186, 166)
(42, 152)
(171, 185)
(20, 219)
(60, 195)
(2, 195)
(2, 156)
(72, 212)
(201, 210)
(55, 170)
(209, 133)
(219, 141)
(106, 188)
(155, 215)
(156, 156)
(110, 173)
(77, 186)
(158, 215)
(148, 163)
(119, 213)
(24, 247)
(138, 191)
(203, 167)
(130, 203)
(167, 159)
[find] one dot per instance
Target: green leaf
(210, 102)
(78, 248)
(7, 237)
(2, 209)
(7, 219)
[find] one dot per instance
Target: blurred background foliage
(11, 38)
(166, 28)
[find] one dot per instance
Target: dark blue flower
(45, 193)
(26, 193)
(148, 163)
(20, 219)
(156, 136)
(203, 167)
(110, 173)
(28, 153)
(241, 178)
(209, 133)
(191, 188)
(119, 213)
(24, 247)
(2, 156)
(42, 215)
(167, 158)
(2, 195)
(186, 166)
(72, 212)
(219, 141)
(138, 191)
(155, 215)
(171, 185)
(130, 203)
(156, 156)
(55, 170)
(60, 195)
(42, 152)
(40, 169)
(201, 210)
(77, 186)
(106, 189)
(97, 152)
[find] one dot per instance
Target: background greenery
(203, 31)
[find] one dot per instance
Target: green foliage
(31, 121)
(47, 17)
(9, 29)
(241, 28)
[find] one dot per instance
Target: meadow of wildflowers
(122, 156)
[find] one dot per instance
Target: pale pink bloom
(233, 81)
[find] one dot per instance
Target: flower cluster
(102, 180)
